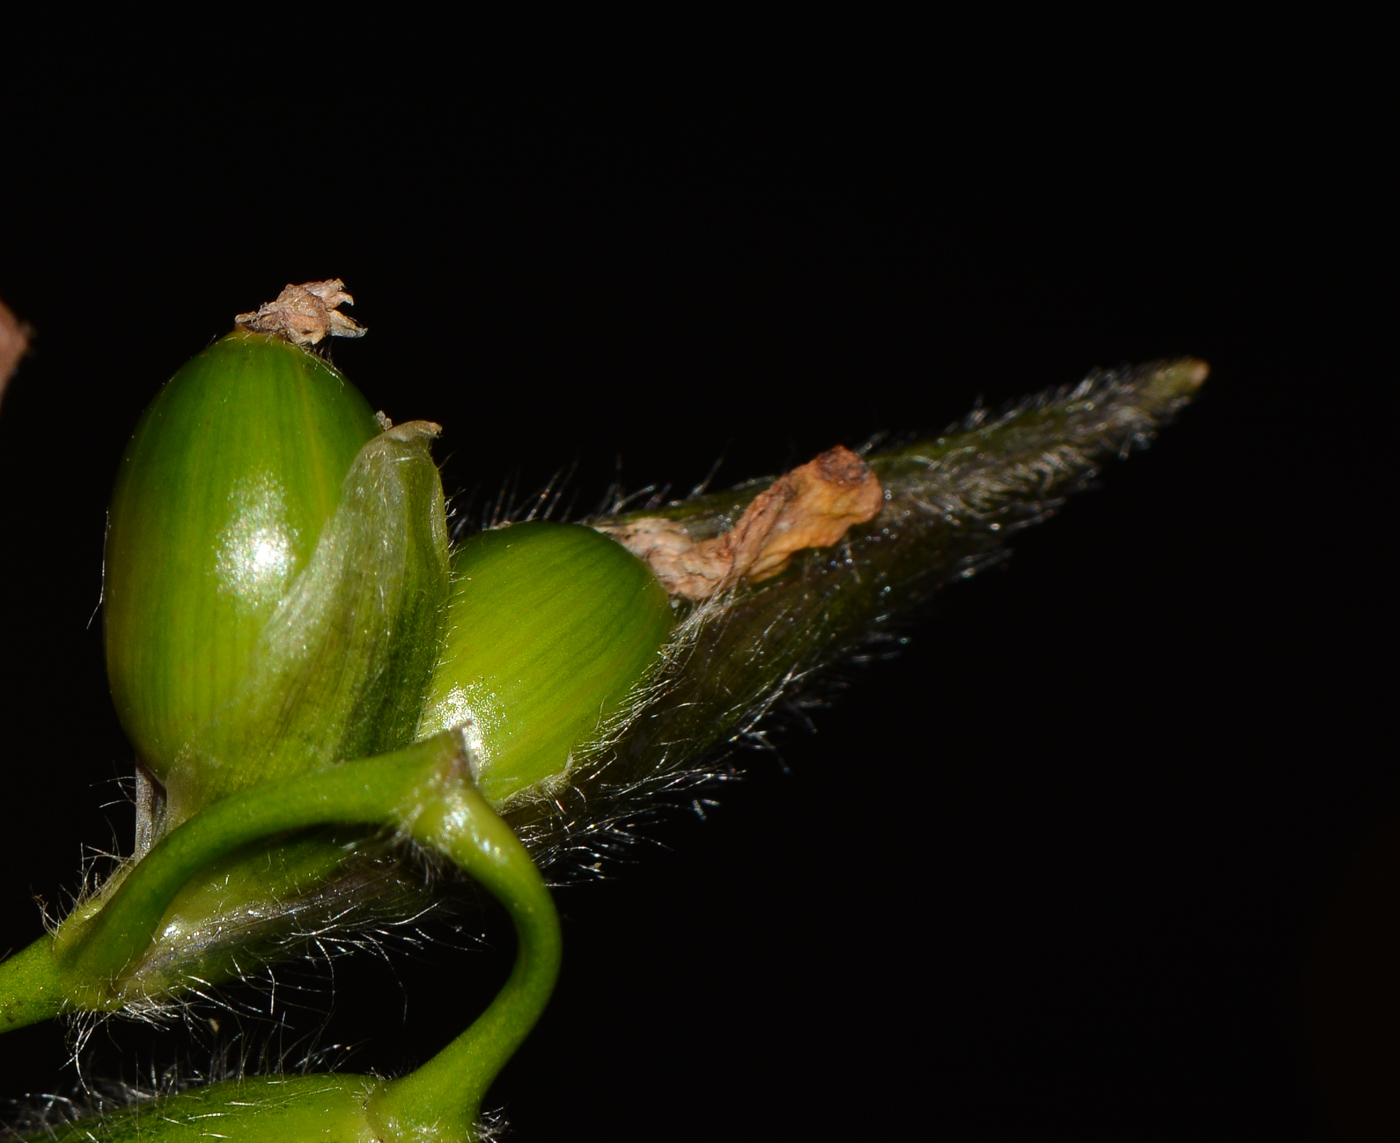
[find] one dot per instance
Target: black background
(1066, 865)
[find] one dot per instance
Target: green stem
(375, 791)
(32, 987)
(425, 792)
(442, 1099)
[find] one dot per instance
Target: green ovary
(550, 627)
(220, 498)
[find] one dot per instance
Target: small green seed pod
(221, 495)
(275, 569)
(549, 628)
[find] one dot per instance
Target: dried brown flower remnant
(14, 341)
(810, 507)
(305, 314)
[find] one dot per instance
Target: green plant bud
(275, 568)
(550, 627)
(220, 497)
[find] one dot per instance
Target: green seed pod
(275, 566)
(220, 497)
(550, 627)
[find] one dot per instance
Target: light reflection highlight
(257, 549)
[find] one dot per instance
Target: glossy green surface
(220, 498)
(549, 628)
(342, 665)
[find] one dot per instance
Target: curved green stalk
(446, 1091)
(424, 792)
